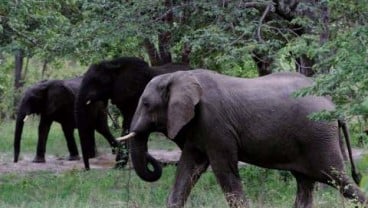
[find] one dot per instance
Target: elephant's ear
(184, 94)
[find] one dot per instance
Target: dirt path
(103, 161)
(58, 164)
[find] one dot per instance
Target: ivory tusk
(88, 102)
(126, 137)
(25, 118)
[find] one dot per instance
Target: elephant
(219, 120)
(53, 100)
(121, 80)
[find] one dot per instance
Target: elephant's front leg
(305, 186)
(103, 128)
(70, 140)
(190, 167)
(43, 132)
(225, 168)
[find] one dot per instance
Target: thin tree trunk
(325, 34)
(164, 47)
(304, 65)
(152, 52)
(17, 78)
(44, 69)
(164, 37)
(18, 69)
(185, 54)
(263, 63)
(25, 69)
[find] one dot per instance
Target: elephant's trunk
(85, 123)
(18, 134)
(142, 159)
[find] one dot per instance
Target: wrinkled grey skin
(53, 101)
(219, 120)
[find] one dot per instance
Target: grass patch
(114, 188)
(123, 188)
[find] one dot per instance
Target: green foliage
(346, 64)
(6, 88)
(222, 36)
(60, 69)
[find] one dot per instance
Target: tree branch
(163, 16)
(252, 4)
(33, 42)
(266, 11)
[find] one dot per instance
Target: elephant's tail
(355, 174)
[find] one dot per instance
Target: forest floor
(102, 161)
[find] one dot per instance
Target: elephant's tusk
(126, 137)
(88, 102)
(25, 118)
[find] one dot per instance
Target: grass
(122, 188)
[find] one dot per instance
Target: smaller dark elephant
(219, 120)
(54, 100)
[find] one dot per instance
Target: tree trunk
(44, 69)
(18, 69)
(164, 37)
(185, 54)
(152, 52)
(304, 65)
(164, 47)
(17, 76)
(325, 34)
(162, 55)
(25, 69)
(263, 63)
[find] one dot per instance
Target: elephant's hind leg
(305, 186)
(347, 188)
(70, 141)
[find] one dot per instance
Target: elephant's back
(73, 84)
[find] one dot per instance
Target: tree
(241, 38)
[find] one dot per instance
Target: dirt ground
(102, 161)
(59, 164)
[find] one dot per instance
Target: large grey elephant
(219, 120)
(53, 100)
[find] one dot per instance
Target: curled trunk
(142, 160)
(18, 135)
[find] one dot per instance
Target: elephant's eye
(146, 104)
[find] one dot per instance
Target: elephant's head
(33, 102)
(166, 105)
(103, 81)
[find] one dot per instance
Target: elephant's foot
(122, 156)
(120, 165)
(39, 159)
(73, 157)
(121, 160)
